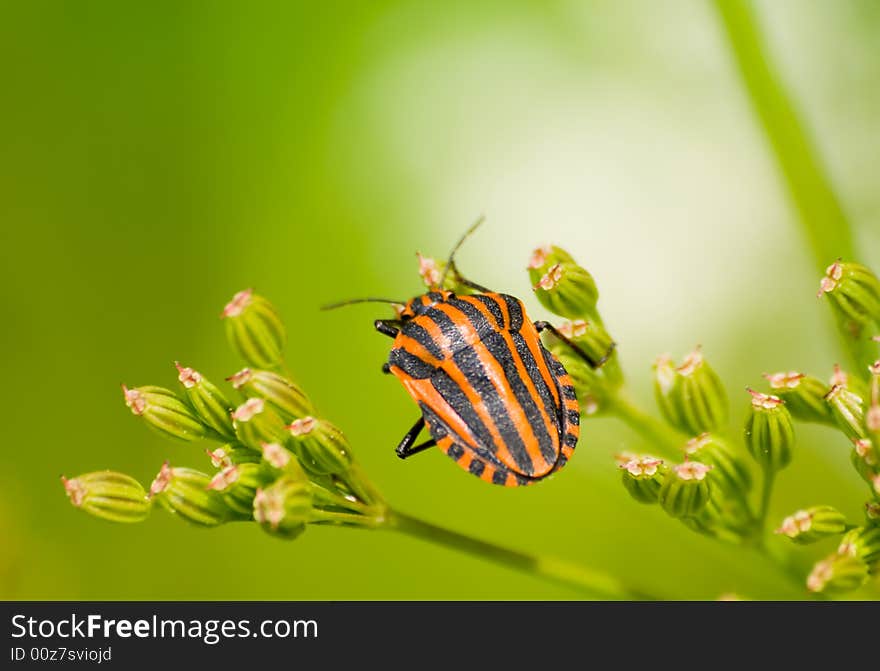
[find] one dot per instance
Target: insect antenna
(450, 263)
(352, 301)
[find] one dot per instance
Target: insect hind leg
(406, 449)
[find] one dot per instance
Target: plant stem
(819, 211)
(594, 583)
(666, 439)
(764, 509)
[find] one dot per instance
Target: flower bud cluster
(277, 465)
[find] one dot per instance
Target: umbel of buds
(642, 476)
(112, 496)
(813, 524)
(210, 404)
(853, 290)
(769, 432)
(254, 329)
(562, 286)
(690, 396)
(804, 396)
(685, 489)
(287, 399)
(163, 411)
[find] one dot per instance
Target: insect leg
(405, 447)
(387, 327)
(421, 447)
(547, 326)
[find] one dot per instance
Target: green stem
(821, 216)
(593, 583)
(764, 509)
(664, 437)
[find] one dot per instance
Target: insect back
(491, 395)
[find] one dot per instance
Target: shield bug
(493, 398)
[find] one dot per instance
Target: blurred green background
(157, 157)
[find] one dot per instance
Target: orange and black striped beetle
(492, 396)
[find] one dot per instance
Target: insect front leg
(406, 449)
(541, 326)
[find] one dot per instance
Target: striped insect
(493, 398)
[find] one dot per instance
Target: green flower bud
(690, 396)
(254, 329)
(685, 489)
(284, 396)
(804, 396)
(854, 291)
(561, 285)
(232, 453)
(184, 492)
(642, 476)
(840, 378)
(864, 459)
(813, 524)
(238, 485)
(872, 512)
(568, 290)
(164, 412)
(112, 496)
(848, 410)
(837, 574)
(210, 404)
(256, 423)
(593, 392)
(769, 432)
(283, 508)
(277, 456)
(729, 473)
(863, 543)
(543, 258)
(320, 446)
(872, 416)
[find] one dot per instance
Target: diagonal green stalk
(594, 584)
(819, 211)
(666, 440)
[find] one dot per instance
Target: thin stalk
(819, 211)
(764, 509)
(666, 439)
(588, 581)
